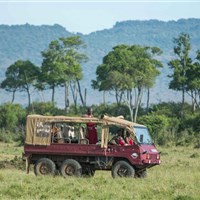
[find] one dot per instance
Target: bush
(6, 136)
(44, 108)
(12, 116)
(112, 109)
(157, 125)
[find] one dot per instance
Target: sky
(89, 16)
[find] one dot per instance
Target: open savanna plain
(178, 178)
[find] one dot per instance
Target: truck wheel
(44, 166)
(122, 169)
(141, 174)
(70, 167)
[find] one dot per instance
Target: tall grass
(178, 178)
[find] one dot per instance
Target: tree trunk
(183, 101)
(131, 112)
(129, 103)
(66, 96)
(85, 96)
(13, 96)
(73, 86)
(104, 97)
(53, 94)
(139, 98)
(26, 87)
(148, 98)
(29, 97)
(80, 93)
(116, 97)
(193, 96)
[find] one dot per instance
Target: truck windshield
(142, 135)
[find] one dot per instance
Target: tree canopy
(20, 76)
(127, 70)
(61, 66)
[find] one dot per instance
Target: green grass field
(178, 178)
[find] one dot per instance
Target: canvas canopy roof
(38, 127)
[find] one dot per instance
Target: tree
(72, 59)
(61, 67)
(10, 84)
(20, 76)
(52, 69)
(144, 72)
(193, 81)
(128, 71)
(181, 64)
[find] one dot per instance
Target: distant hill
(27, 42)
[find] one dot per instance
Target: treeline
(167, 125)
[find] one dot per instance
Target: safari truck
(69, 153)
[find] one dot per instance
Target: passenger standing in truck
(91, 129)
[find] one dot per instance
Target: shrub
(156, 124)
(12, 116)
(44, 108)
(6, 136)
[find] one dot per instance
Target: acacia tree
(10, 84)
(143, 71)
(128, 71)
(20, 76)
(112, 75)
(181, 64)
(193, 81)
(62, 67)
(52, 69)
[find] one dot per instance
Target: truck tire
(70, 167)
(122, 169)
(44, 166)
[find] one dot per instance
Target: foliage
(183, 129)
(44, 108)
(165, 123)
(189, 130)
(6, 135)
(128, 70)
(181, 64)
(61, 67)
(156, 124)
(12, 116)
(111, 110)
(20, 76)
(186, 70)
(12, 123)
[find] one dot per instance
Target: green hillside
(27, 41)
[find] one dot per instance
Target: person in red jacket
(120, 139)
(91, 129)
(129, 140)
